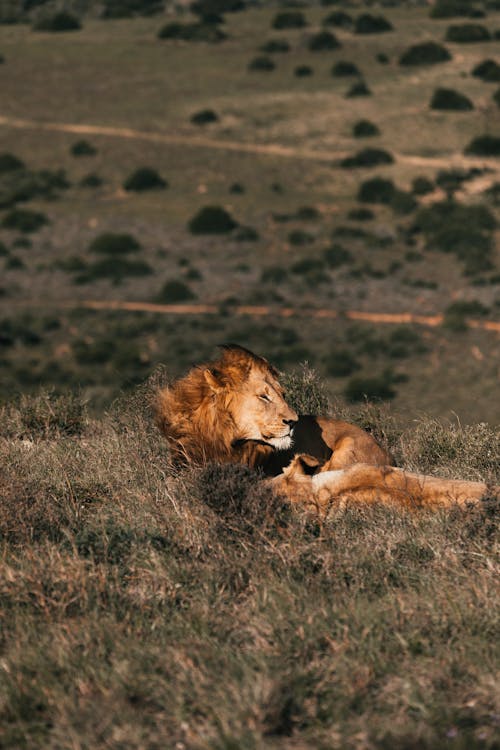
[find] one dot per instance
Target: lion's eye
(264, 397)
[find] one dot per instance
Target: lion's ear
(214, 379)
(309, 464)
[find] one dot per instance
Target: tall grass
(143, 607)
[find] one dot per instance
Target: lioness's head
(219, 407)
(248, 387)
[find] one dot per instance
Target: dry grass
(143, 608)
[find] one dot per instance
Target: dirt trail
(281, 312)
(271, 149)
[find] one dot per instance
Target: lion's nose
(290, 422)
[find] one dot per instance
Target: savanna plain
(339, 162)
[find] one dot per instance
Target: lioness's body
(233, 411)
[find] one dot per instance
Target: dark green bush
(367, 23)
(274, 275)
(344, 68)
(360, 214)
(382, 58)
(24, 220)
(307, 213)
(175, 290)
(403, 203)
(302, 71)
(19, 185)
(83, 148)
(299, 237)
(237, 188)
(368, 157)
(212, 220)
(61, 21)
(209, 7)
(365, 129)
(323, 41)
(358, 89)
(114, 268)
(336, 255)
(2, 59)
(425, 53)
(487, 70)
(131, 8)
(422, 186)
(289, 19)
(467, 33)
(204, 117)
(455, 316)
(10, 163)
(246, 234)
(114, 244)
(450, 180)
(91, 180)
(341, 363)
(339, 18)
(275, 46)
(262, 63)
(375, 388)
(192, 32)
(453, 9)
(496, 97)
(450, 100)
(144, 178)
(484, 145)
(306, 265)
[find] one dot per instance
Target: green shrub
(261, 63)
(173, 291)
(403, 203)
(425, 53)
(299, 237)
(144, 178)
(360, 214)
(306, 265)
(496, 97)
(467, 33)
(450, 100)
(273, 46)
(2, 59)
(204, 117)
(307, 213)
(375, 388)
(455, 316)
(4, 250)
(246, 234)
(452, 9)
(192, 32)
(302, 71)
(10, 163)
(336, 255)
(368, 157)
(209, 7)
(358, 89)
(344, 68)
(339, 18)
(83, 148)
(450, 180)
(237, 188)
(487, 70)
(367, 23)
(131, 8)
(484, 145)
(289, 19)
(274, 275)
(21, 185)
(212, 220)
(114, 268)
(61, 21)
(341, 363)
(112, 244)
(305, 391)
(422, 186)
(382, 58)
(323, 41)
(24, 220)
(365, 129)
(91, 180)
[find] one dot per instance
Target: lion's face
(260, 412)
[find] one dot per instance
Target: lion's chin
(281, 443)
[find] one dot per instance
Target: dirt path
(271, 149)
(260, 311)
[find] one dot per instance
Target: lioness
(233, 411)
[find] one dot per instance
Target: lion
(233, 410)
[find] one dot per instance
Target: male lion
(233, 411)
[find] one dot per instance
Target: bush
(20, 185)
(307, 265)
(422, 186)
(323, 41)
(450, 100)
(299, 237)
(144, 178)
(275, 46)
(358, 89)
(344, 68)
(114, 268)
(366, 23)
(365, 129)
(212, 220)
(83, 148)
(114, 244)
(341, 363)
(496, 97)
(204, 117)
(302, 71)
(425, 53)
(289, 19)
(336, 255)
(382, 58)
(25, 221)
(274, 275)
(175, 291)
(375, 388)
(484, 145)
(339, 18)
(360, 214)
(91, 180)
(368, 157)
(10, 163)
(246, 234)
(452, 9)
(192, 32)
(207, 7)
(261, 63)
(131, 8)
(61, 21)
(376, 190)
(455, 316)
(467, 33)
(488, 71)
